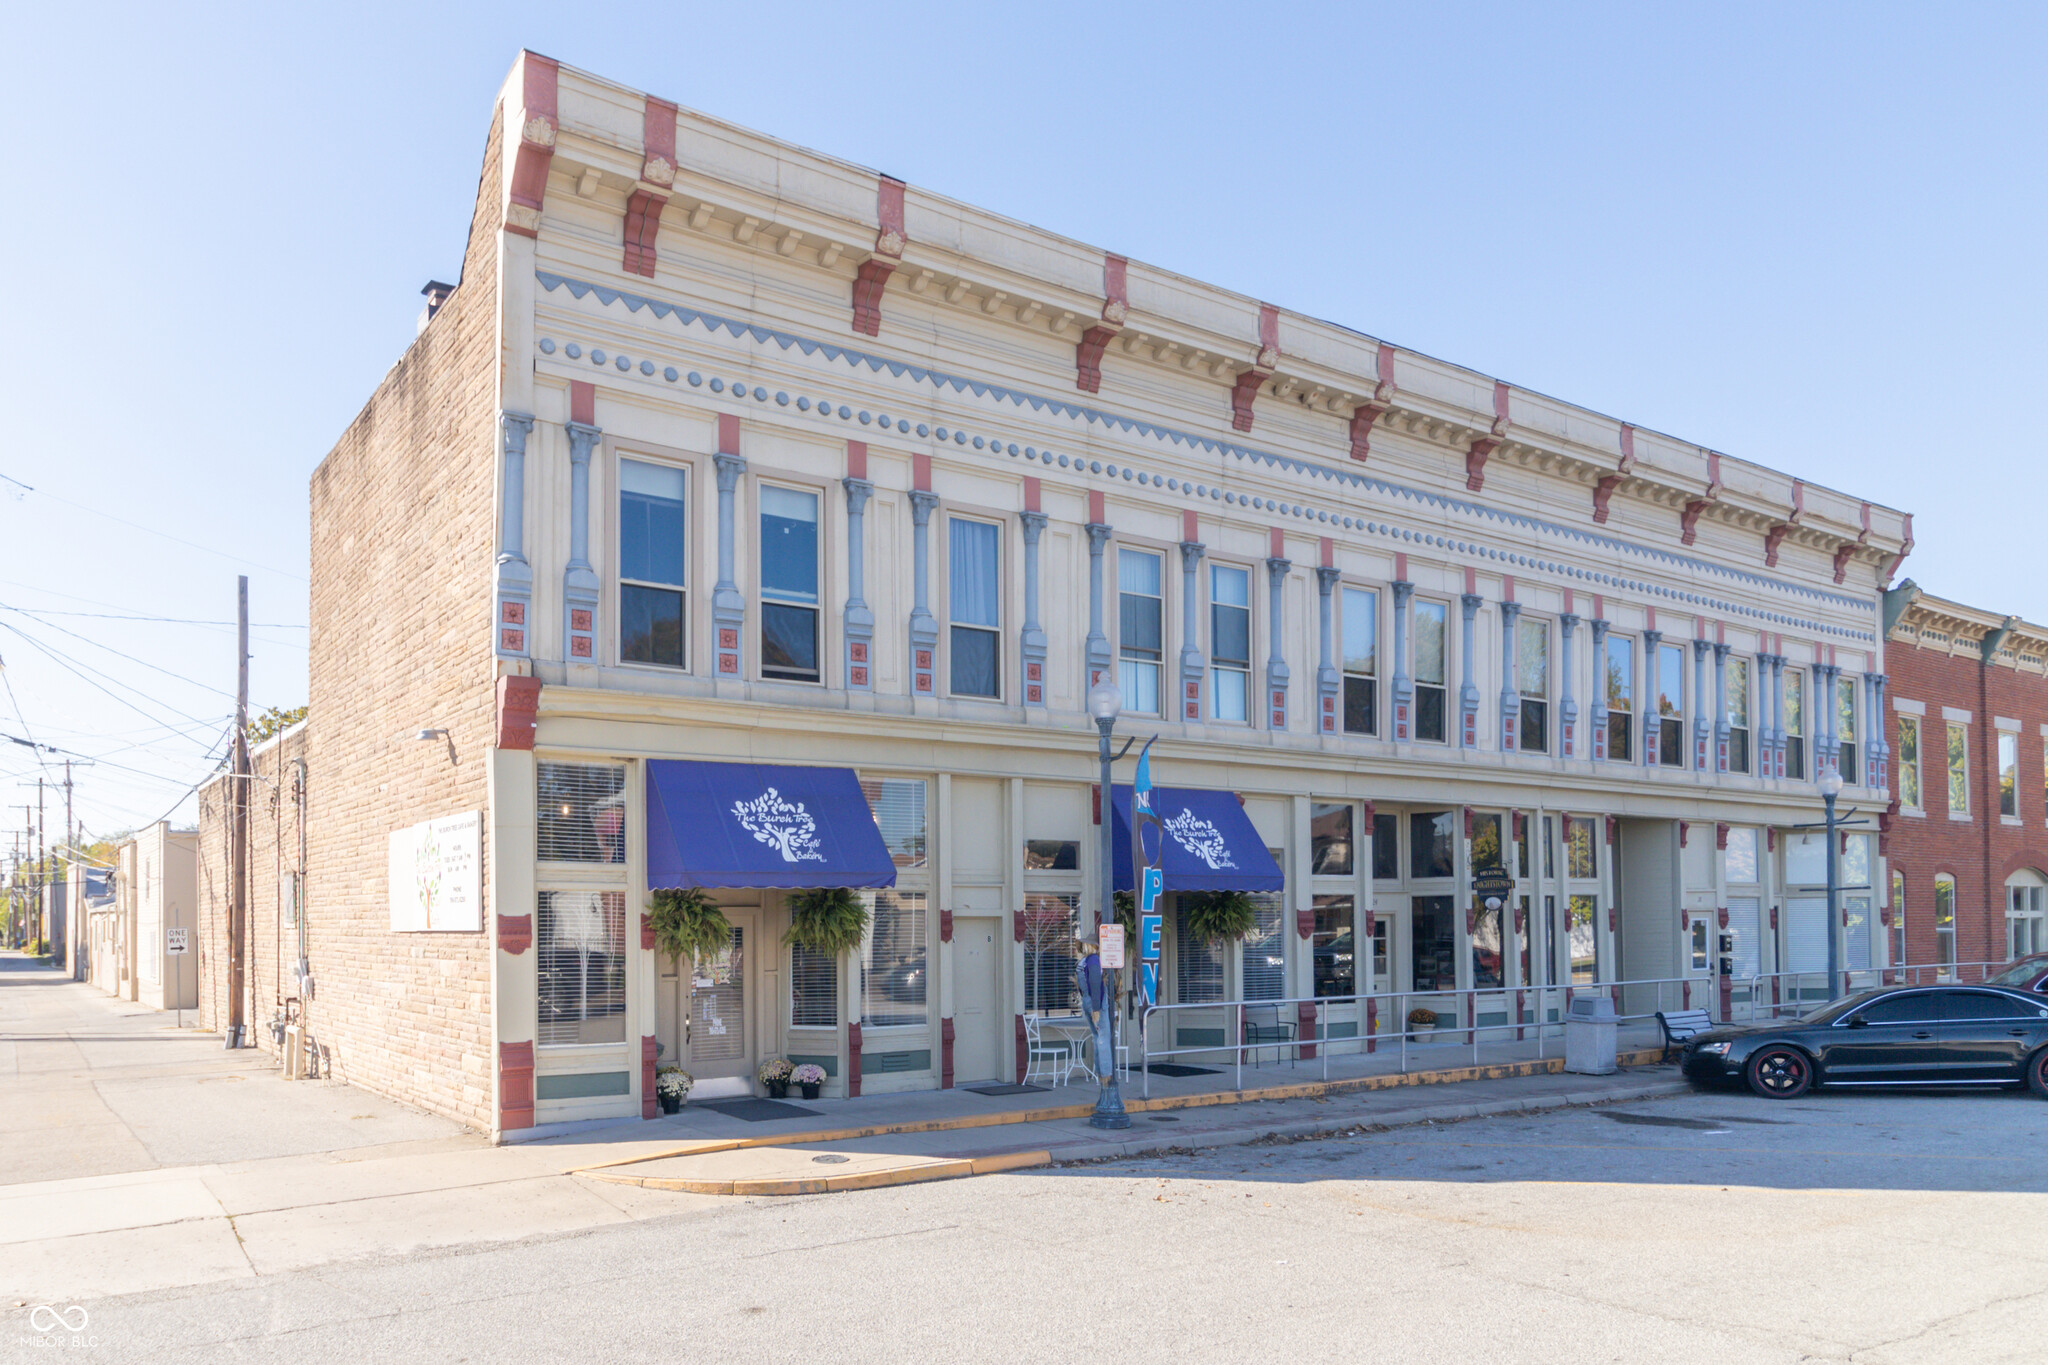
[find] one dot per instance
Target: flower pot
(778, 1090)
(671, 1104)
(810, 1090)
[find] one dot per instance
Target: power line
(151, 530)
(119, 653)
(168, 620)
(82, 669)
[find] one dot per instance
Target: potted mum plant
(808, 1078)
(775, 1074)
(1420, 1018)
(672, 1087)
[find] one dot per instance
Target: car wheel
(1780, 1073)
(2037, 1073)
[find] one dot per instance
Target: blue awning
(760, 825)
(1208, 845)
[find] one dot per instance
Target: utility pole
(35, 912)
(238, 888)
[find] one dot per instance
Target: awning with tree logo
(760, 825)
(1208, 841)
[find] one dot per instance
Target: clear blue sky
(1810, 236)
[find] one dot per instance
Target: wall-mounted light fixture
(429, 736)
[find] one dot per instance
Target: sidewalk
(181, 1163)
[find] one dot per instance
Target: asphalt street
(1716, 1227)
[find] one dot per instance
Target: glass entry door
(721, 1044)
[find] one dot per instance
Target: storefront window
(1049, 922)
(1200, 963)
(1435, 944)
(813, 988)
(581, 961)
(1386, 848)
(1488, 945)
(1585, 942)
(1486, 844)
(581, 813)
(1739, 861)
(894, 975)
(898, 804)
(1430, 833)
(1265, 950)
(1336, 971)
(1330, 839)
(1580, 860)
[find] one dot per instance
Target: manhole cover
(828, 1160)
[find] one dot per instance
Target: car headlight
(1714, 1049)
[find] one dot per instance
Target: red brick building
(1968, 824)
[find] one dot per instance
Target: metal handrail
(1369, 1003)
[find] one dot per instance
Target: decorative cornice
(1113, 423)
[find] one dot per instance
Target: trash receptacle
(1589, 1031)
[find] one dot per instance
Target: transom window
(1621, 698)
(653, 526)
(1230, 642)
(1141, 630)
(789, 583)
(1361, 611)
(974, 602)
(1432, 667)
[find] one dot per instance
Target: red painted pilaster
(515, 1086)
(518, 712)
(650, 1053)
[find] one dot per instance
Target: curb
(1305, 1090)
(938, 1168)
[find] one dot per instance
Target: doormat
(1176, 1069)
(1005, 1089)
(760, 1111)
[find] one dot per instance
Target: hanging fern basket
(1220, 916)
(686, 924)
(830, 921)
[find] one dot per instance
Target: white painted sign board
(1112, 941)
(436, 875)
(176, 941)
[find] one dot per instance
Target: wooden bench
(1679, 1025)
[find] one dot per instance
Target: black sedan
(1913, 1035)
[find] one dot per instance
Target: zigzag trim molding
(916, 374)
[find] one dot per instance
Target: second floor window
(1958, 768)
(1141, 636)
(1845, 727)
(1671, 706)
(1795, 723)
(1738, 715)
(974, 601)
(1621, 698)
(1361, 662)
(789, 583)
(2008, 773)
(1909, 762)
(1432, 667)
(1230, 642)
(653, 622)
(1532, 681)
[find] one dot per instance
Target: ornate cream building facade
(728, 453)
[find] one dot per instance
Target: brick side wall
(402, 546)
(273, 851)
(1982, 852)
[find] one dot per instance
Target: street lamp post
(1104, 701)
(1830, 785)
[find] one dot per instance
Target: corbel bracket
(874, 273)
(1116, 308)
(1246, 390)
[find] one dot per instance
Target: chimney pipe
(437, 294)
